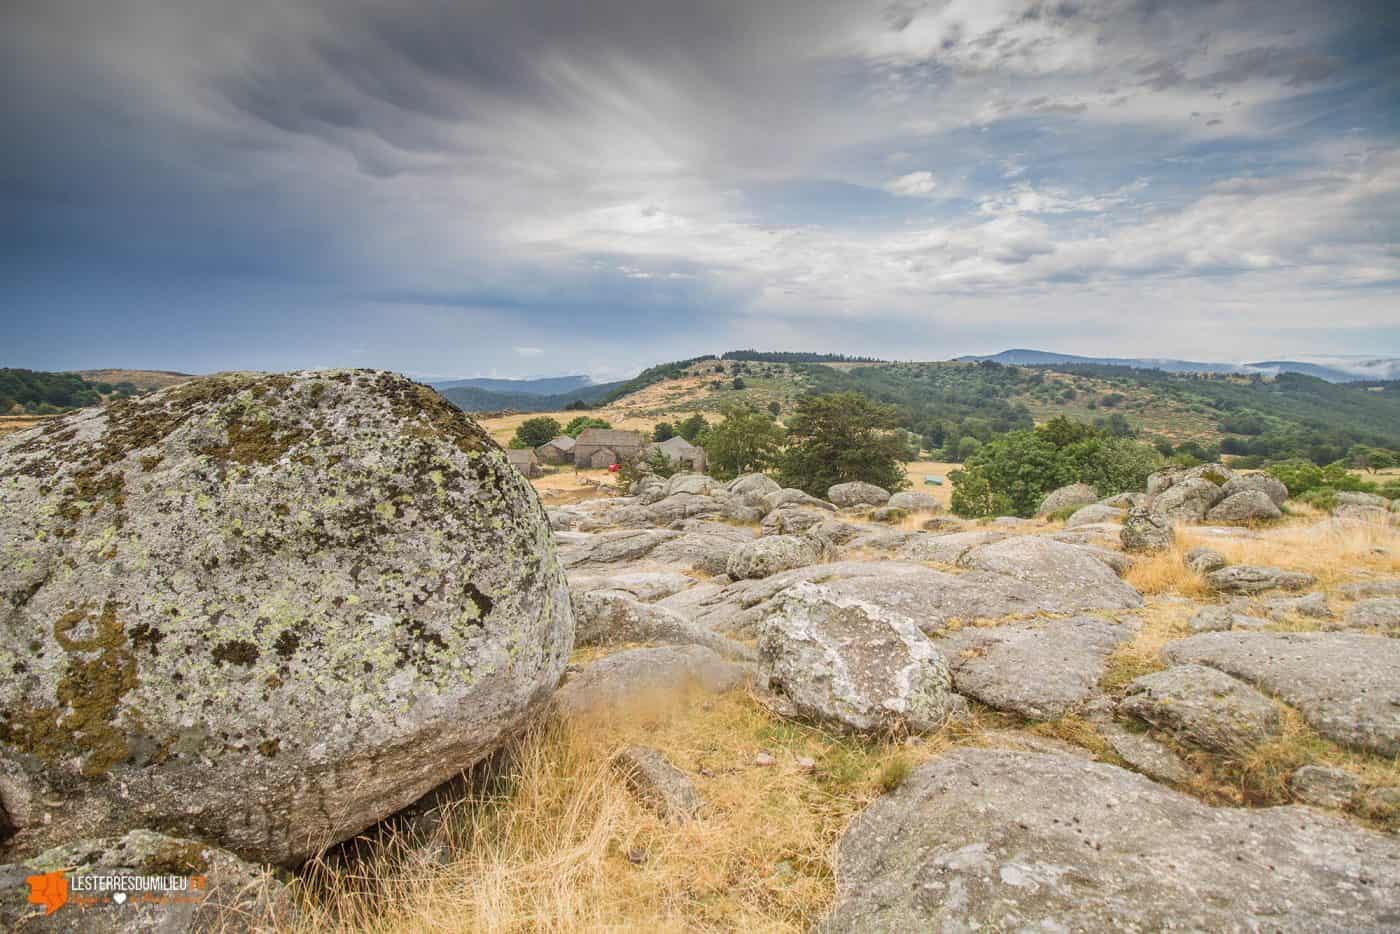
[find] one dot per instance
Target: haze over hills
(545, 386)
(1332, 369)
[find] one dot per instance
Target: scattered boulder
(1356, 498)
(790, 520)
(913, 501)
(1144, 754)
(1093, 514)
(1216, 619)
(1324, 786)
(1145, 532)
(243, 587)
(1245, 506)
(695, 484)
(1356, 513)
(770, 554)
(1188, 500)
(233, 889)
(1205, 560)
(1251, 579)
(1126, 501)
(1385, 587)
(1313, 606)
(858, 493)
(639, 675)
(613, 617)
(854, 664)
(888, 514)
(1377, 612)
(1203, 707)
(791, 497)
(1038, 669)
(1075, 577)
(755, 483)
(988, 839)
(1067, 497)
(1267, 484)
(657, 783)
(1344, 684)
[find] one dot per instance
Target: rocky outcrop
(1067, 497)
(1073, 576)
(854, 664)
(1375, 612)
(1145, 532)
(770, 554)
(1204, 560)
(1244, 506)
(614, 617)
(1038, 669)
(267, 610)
(1093, 514)
(640, 676)
(985, 839)
(858, 493)
(1344, 684)
(913, 501)
(1267, 484)
(1252, 579)
(1203, 707)
(1188, 500)
(1324, 786)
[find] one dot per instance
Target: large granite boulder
(1093, 514)
(265, 610)
(858, 493)
(1067, 497)
(914, 501)
(1188, 500)
(1252, 579)
(994, 840)
(854, 664)
(1244, 506)
(753, 483)
(1267, 484)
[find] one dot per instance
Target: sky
(552, 186)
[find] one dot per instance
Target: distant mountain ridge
(1335, 371)
(546, 386)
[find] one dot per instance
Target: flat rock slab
(636, 675)
(985, 839)
(1038, 669)
(1074, 578)
(1347, 685)
(1378, 612)
(657, 783)
(1203, 707)
(1249, 579)
(1153, 759)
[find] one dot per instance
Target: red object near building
(614, 468)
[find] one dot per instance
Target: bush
(664, 431)
(1012, 474)
(839, 438)
(536, 431)
(655, 464)
(692, 427)
(576, 427)
(746, 441)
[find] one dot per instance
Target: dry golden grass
(1333, 556)
(552, 853)
(1166, 573)
(1161, 623)
(9, 424)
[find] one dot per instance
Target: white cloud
(528, 351)
(913, 185)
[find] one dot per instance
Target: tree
(536, 431)
(739, 382)
(775, 408)
(576, 427)
(842, 437)
(578, 405)
(664, 431)
(745, 442)
(691, 428)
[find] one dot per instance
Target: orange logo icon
(49, 890)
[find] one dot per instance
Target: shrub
(842, 437)
(536, 431)
(576, 427)
(664, 431)
(633, 469)
(744, 442)
(691, 428)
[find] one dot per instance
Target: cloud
(528, 351)
(915, 185)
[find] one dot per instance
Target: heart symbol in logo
(119, 898)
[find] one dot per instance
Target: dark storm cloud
(562, 171)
